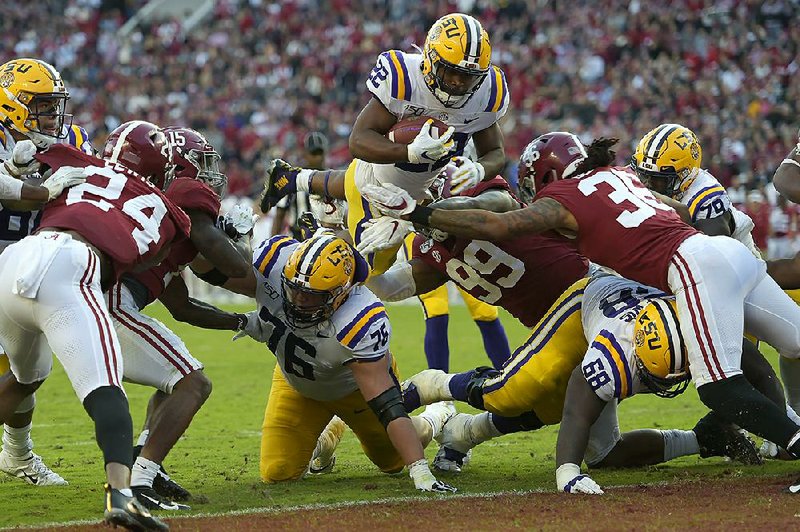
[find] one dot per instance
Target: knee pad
(108, 408)
(281, 471)
(475, 385)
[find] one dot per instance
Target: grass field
(217, 459)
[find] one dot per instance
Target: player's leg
(711, 279)
(155, 356)
(495, 341)
(360, 212)
(436, 309)
(292, 425)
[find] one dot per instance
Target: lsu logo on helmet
(317, 279)
(661, 356)
(457, 47)
(667, 159)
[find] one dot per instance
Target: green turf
(217, 459)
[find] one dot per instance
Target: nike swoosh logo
(402, 206)
(33, 480)
(468, 120)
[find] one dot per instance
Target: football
(405, 131)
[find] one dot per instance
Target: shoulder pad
(390, 79)
(367, 333)
(709, 202)
(606, 369)
(265, 255)
(498, 92)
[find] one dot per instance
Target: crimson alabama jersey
(116, 210)
(188, 194)
(525, 275)
(621, 225)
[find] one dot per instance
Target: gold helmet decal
(661, 355)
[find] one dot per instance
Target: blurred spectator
(256, 76)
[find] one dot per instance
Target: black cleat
(166, 487)
(794, 489)
(280, 181)
(719, 438)
(126, 512)
(151, 500)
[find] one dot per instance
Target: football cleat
(450, 460)
(319, 467)
(718, 438)
(127, 512)
(437, 415)
(456, 444)
(324, 458)
(431, 385)
(151, 500)
(32, 470)
(166, 487)
(794, 489)
(279, 182)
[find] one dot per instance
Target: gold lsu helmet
(456, 45)
(661, 357)
(667, 159)
(33, 100)
(317, 279)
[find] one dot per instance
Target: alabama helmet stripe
(122, 138)
(659, 139)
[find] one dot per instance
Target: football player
(331, 339)
(152, 354)
(616, 222)
(787, 181)
(33, 115)
(453, 81)
(51, 287)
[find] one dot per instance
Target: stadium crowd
(255, 80)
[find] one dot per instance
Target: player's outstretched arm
(216, 246)
(582, 407)
(195, 312)
(385, 399)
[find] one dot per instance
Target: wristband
(421, 215)
(565, 473)
(420, 467)
(242, 322)
(10, 187)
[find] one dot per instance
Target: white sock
(304, 180)
(143, 472)
(679, 443)
(126, 491)
(143, 437)
(790, 375)
(17, 442)
(482, 429)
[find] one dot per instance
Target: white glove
(768, 450)
(382, 233)
(463, 174)
(426, 149)
(424, 479)
(570, 480)
(239, 220)
(64, 177)
(22, 162)
(389, 199)
(252, 328)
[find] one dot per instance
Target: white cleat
(456, 444)
(32, 470)
(324, 457)
(432, 386)
(437, 415)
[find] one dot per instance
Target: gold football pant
(535, 377)
(358, 212)
(293, 423)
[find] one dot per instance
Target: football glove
(22, 160)
(426, 149)
(463, 174)
(238, 221)
(64, 177)
(389, 199)
(424, 479)
(570, 480)
(252, 328)
(382, 233)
